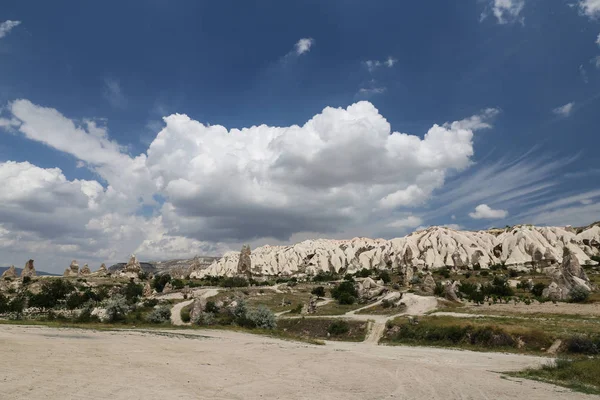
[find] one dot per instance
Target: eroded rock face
(450, 292)
(28, 270)
(73, 269)
(368, 289)
(10, 273)
(132, 269)
(198, 307)
(245, 263)
(521, 246)
(566, 277)
(85, 270)
(168, 288)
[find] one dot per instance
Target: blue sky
(527, 69)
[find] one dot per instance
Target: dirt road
(50, 363)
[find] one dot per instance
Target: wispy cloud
(565, 110)
(505, 11)
(598, 40)
(303, 45)
(583, 74)
(7, 26)
(368, 92)
(114, 94)
(372, 65)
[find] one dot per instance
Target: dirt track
(49, 363)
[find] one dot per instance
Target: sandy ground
(50, 363)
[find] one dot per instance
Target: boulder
(168, 288)
(85, 270)
(198, 307)
(369, 289)
(10, 273)
(28, 270)
(245, 263)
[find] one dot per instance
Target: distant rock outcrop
(132, 269)
(147, 290)
(73, 269)
(10, 273)
(518, 247)
(428, 285)
(28, 270)
(85, 271)
(102, 271)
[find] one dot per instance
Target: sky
(171, 129)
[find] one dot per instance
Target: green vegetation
(160, 281)
(345, 293)
(578, 294)
(582, 375)
(185, 313)
(339, 327)
(319, 328)
(160, 314)
(319, 291)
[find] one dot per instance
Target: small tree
(319, 291)
(385, 276)
(538, 289)
(338, 328)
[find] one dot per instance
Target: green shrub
(338, 328)
(234, 282)
(579, 294)
(364, 273)
(185, 314)
(345, 293)
(132, 291)
(581, 344)
(204, 318)
(177, 284)
(324, 277)
(262, 317)
(116, 307)
(385, 276)
(150, 302)
(484, 273)
(3, 304)
(297, 309)
(211, 307)
(26, 280)
(319, 291)
(538, 289)
(159, 315)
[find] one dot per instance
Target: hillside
(18, 270)
(520, 246)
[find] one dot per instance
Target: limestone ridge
(519, 247)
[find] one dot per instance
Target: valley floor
(52, 363)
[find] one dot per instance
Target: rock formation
(73, 269)
(244, 266)
(522, 246)
(147, 290)
(428, 285)
(168, 288)
(368, 289)
(10, 273)
(28, 270)
(132, 269)
(566, 277)
(102, 271)
(85, 271)
(198, 307)
(450, 291)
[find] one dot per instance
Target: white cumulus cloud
(565, 110)
(590, 8)
(409, 222)
(7, 26)
(483, 211)
(303, 45)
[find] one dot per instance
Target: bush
(26, 280)
(3, 304)
(538, 289)
(262, 318)
(241, 309)
(439, 290)
(385, 303)
(150, 302)
(364, 273)
(211, 307)
(338, 328)
(324, 277)
(385, 276)
(484, 273)
(579, 294)
(116, 308)
(583, 345)
(204, 318)
(234, 282)
(159, 315)
(297, 309)
(346, 298)
(177, 284)
(319, 291)
(476, 267)
(185, 314)
(513, 273)
(132, 291)
(76, 300)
